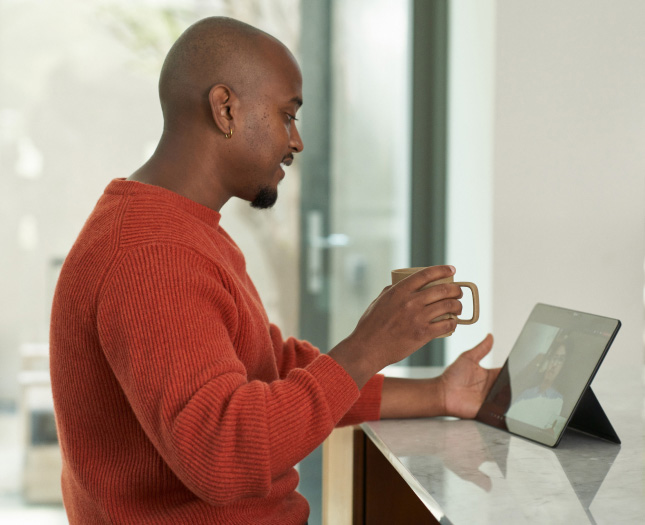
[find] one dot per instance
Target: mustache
(288, 159)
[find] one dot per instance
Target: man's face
(555, 364)
(268, 137)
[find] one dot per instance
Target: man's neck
(180, 164)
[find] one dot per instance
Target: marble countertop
(467, 472)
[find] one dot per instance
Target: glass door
(355, 169)
(370, 160)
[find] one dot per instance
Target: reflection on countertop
(467, 472)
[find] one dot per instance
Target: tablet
(546, 377)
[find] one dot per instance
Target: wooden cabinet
(360, 486)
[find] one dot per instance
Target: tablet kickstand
(590, 418)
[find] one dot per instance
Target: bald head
(229, 95)
(215, 50)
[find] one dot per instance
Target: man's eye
(291, 117)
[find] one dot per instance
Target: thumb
(482, 349)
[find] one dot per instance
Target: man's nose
(296, 141)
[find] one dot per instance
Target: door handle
(316, 243)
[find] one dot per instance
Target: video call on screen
(547, 371)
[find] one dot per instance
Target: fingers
(427, 275)
(438, 328)
(415, 311)
(437, 318)
(482, 349)
(403, 318)
(440, 291)
(439, 309)
(425, 326)
(411, 290)
(435, 300)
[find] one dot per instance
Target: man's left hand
(465, 383)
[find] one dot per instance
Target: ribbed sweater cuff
(370, 400)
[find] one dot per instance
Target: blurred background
(506, 137)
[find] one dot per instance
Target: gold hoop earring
(229, 134)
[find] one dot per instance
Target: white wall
(546, 196)
(569, 167)
(471, 97)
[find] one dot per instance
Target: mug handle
(475, 292)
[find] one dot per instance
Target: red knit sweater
(176, 400)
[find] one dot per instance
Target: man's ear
(223, 105)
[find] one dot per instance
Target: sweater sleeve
(169, 330)
(368, 405)
(294, 353)
(291, 353)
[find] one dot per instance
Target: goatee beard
(265, 198)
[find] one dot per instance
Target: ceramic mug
(402, 273)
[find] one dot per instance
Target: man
(176, 400)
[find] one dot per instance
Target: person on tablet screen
(541, 405)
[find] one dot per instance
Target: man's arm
(459, 391)
(169, 336)
(399, 322)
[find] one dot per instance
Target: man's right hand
(399, 322)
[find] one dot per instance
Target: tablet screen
(551, 364)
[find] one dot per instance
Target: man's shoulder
(125, 223)
(122, 222)
(148, 220)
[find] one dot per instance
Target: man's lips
(287, 160)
